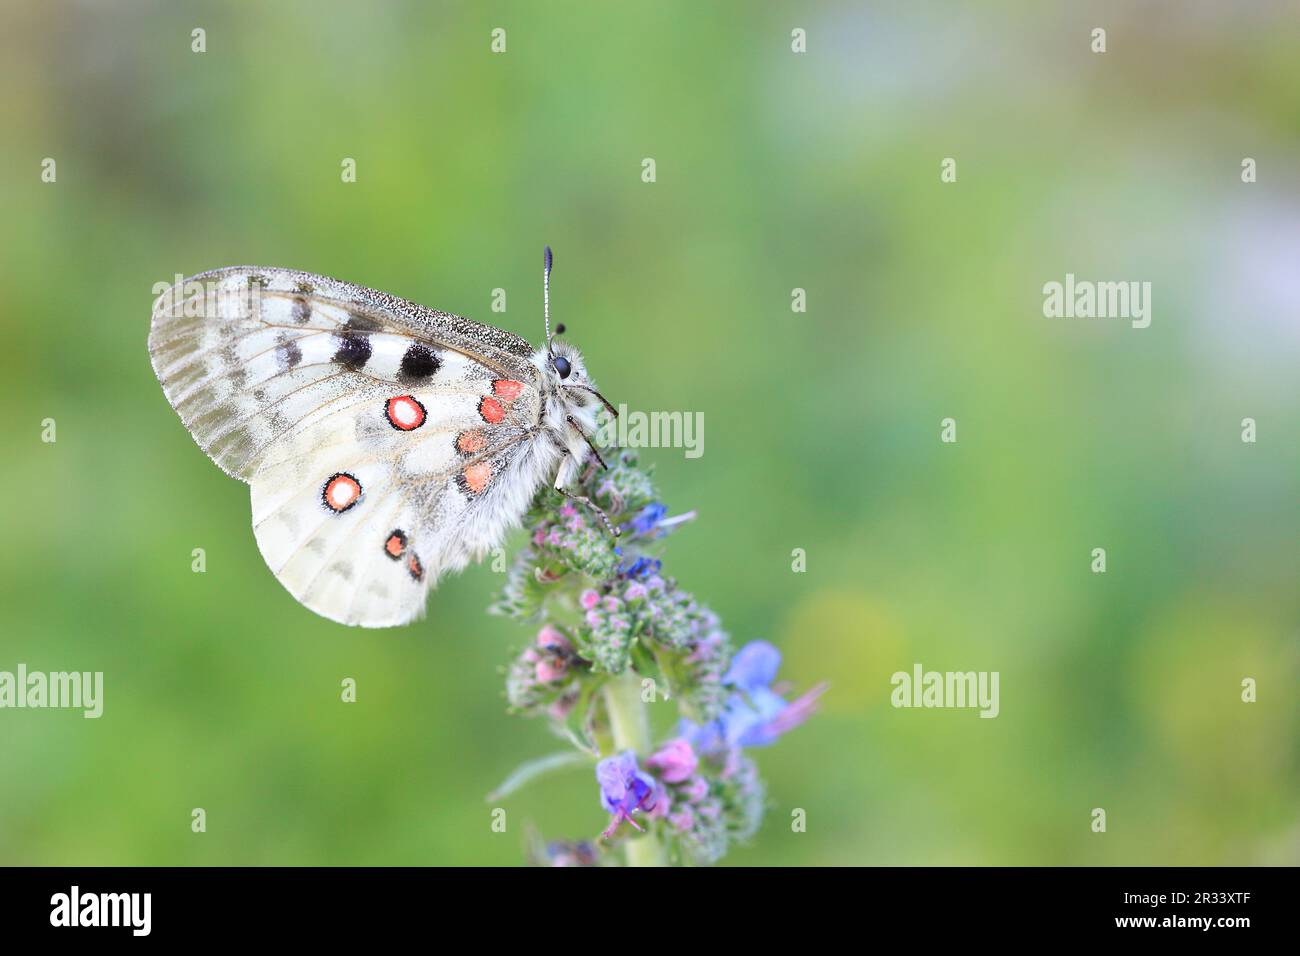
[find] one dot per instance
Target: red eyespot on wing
(490, 410)
(477, 476)
(414, 568)
(405, 413)
(508, 388)
(395, 545)
(471, 442)
(341, 492)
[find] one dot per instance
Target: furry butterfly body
(385, 444)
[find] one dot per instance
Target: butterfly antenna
(546, 294)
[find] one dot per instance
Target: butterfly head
(565, 378)
(564, 364)
(561, 364)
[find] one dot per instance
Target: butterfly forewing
(244, 354)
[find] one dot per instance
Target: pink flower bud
(550, 636)
(548, 671)
(589, 599)
(682, 820)
(696, 790)
(675, 761)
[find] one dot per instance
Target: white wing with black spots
(385, 444)
(248, 356)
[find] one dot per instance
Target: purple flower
(640, 568)
(648, 519)
(624, 789)
(753, 666)
(755, 715)
(674, 761)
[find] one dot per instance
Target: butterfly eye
(561, 365)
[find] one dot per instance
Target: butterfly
(385, 444)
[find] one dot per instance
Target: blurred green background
(775, 170)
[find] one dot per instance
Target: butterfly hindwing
(385, 444)
(356, 516)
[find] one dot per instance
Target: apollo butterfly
(385, 444)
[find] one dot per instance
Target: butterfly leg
(583, 499)
(590, 444)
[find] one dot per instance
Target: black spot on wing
(353, 349)
(301, 310)
(362, 323)
(287, 355)
(418, 363)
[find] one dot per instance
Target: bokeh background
(774, 171)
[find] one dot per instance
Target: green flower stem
(630, 726)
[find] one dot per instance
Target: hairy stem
(630, 726)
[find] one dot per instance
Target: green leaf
(530, 770)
